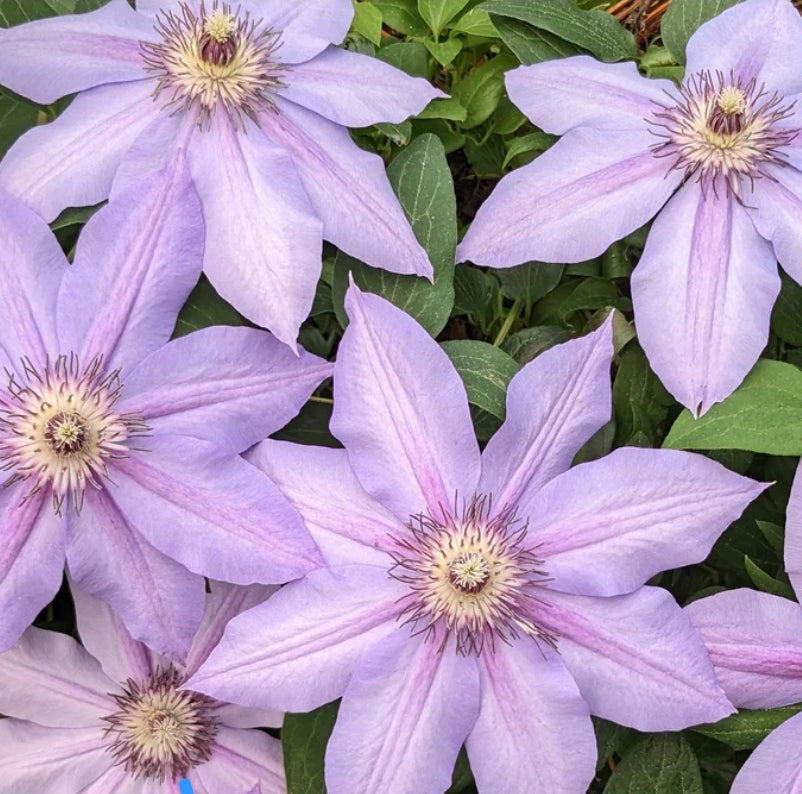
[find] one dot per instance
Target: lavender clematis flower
(726, 144)
(109, 717)
(457, 579)
(259, 99)
(121, 447)
(755, 643)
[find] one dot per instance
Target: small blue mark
(184, 786)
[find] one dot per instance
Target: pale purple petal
(49, 58)
(702, 293)
(31, 267)
(225, 602)
(296, 651)
(564, 93)
(775, 765)
(793, 533)
(217, 514)
(263, 239)
(755, 642)
(554, 405)
(401, 411)
(533, 724)
(307, 27)
(636, 658)
(348, 525)
(353, 89)
(104, 635)
(33, 757)
(71, 162)
(159, 600)
(137, 260)
(31, 559)
(559, 208)
(758, 39)
(241, 759)
(48, 678)
(234, 386)
(406, 712)
(774, 206)
(349, 189)
(606, 527)
(245, 717)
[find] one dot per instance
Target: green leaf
(763, 415)
(73, 216)
(663, 763)
(531, 342)
(640, 401)
(448, 108)
(17, 115)
(303, 741)
(438, 13)
(528, 282)
(422, 180)
(474, 293)
(368, 21)
(683, 18)
(774, 535)
(768, 584)
(444, 52)
(747, 729)
(531, 144)
(530, 45)
(204, 307)
(399, 134)
(15, 12)
(479, 93)
(403, 16)
(485, 370)
(476, 23)
(595, 31)
(409, 56)
(786, 318)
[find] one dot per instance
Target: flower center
(159, 732)
(723, 131)
(469, 575)
(58, 428)
(215, 60)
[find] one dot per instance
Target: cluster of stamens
(216, 59)
(58, 428)
(471, 576)
(160, 732)
(722, 130)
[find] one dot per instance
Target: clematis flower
(456, 579)
(121, 447)
(755, 643)
(260, 101)
(109, 717)
(719, 158)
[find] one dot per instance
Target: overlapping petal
(136, 263)
(759, 40)
(775, 764)
(349, 189)
(406, 712)
(554, 405)
(264, 257)
(48, 678)
(755, 642)
(347, 524)
(49, 167)
(49, 58)
(533, 724)
(401, 411)
(793, 534)
(703, 292)
(564, 93)
(606, 527)
(591, 188)
(218, 515)
(636, 659)
(233, 386)
(322, 84)
(296, 651)
(159, 600)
